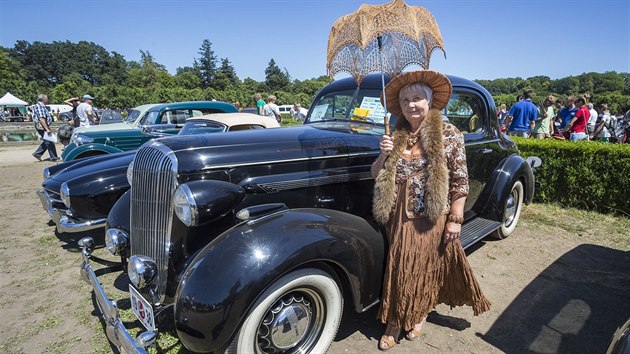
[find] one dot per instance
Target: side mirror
(534, 161)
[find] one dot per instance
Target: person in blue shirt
(567, 112)
(521, 117)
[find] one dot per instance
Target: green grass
(605, 229)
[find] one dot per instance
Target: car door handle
(485, 151)
(325, 200)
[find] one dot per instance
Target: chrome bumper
(115, 329)
(64, 221)
(47, 203)
(68, 224)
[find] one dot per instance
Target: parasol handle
(380, 50)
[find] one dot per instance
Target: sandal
(389, 339)
(416, 331)
(386, 343)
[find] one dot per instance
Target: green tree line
(66, 69)
(610, 87)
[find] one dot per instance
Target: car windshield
(363, 106)
(133, 115)
(149, 118)
(200, 126)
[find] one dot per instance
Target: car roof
(224, 106)
(232, 119)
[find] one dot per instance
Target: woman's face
(414, 104)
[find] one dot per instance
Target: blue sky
(484, 39)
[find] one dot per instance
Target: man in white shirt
(86, 112)
(298, 112)
(590, 125)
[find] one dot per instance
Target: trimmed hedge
(588, 175)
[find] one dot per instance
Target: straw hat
(438, 82)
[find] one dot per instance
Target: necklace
(411, 141)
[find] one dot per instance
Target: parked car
(164, 118)
(251, 241)
(79, 194)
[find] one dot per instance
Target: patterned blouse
(411, 172)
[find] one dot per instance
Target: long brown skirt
(423, 272)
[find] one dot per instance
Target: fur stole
(437, 186)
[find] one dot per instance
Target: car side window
(465, 111)
(246, 127)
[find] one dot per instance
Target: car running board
(476, 229)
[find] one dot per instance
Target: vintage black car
(252, 242)
(78, 194)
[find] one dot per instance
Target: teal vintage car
(141, 125)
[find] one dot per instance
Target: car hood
(89, 166)
(103, 128)
(200, 153)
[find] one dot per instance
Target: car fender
(94, 194)
(226, 277)
(511, 169)
(91, 147)
(119, 217)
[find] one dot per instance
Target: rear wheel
(511, 211)
(300, 313)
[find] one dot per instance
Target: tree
(227, 69)
(275, 78)
(207, 63)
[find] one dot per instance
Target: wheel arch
(90, 150)
(345, 246)
(511, 169)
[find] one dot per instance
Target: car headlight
(185, 206)
(79, 139)
(116, 241)
(46, 173)
(65, 194)
(130, 172)
(142, 271)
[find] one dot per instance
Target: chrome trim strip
(473, 143)
(71, 225)
(115, 329)
(297, 159)
(314, 181)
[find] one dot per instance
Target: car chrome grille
(153, 182)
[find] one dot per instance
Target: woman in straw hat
(420, 191)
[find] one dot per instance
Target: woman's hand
(387, 145)
(452, 231)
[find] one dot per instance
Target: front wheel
(511, 211)
(299, 313)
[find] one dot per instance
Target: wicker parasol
(382, 38)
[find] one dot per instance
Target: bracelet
(457, 219)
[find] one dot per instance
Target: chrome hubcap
(294, 321)
(510, 208)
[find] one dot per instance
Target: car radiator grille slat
(152, 187)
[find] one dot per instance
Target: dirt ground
(553, 289)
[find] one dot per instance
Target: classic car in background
(251, 241)
(140, 126)
(79, 194)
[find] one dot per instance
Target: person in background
(298, 112)
(590, 125)
(577, 126)
(566, 114)
(502, 114)
(520, 119)
(604, 125)
(543, 126)
(43, 119)
(271, 109)
(237, 104)
(85, 112)
(260, 104)
(74, 103)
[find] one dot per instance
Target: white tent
(10, 100)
